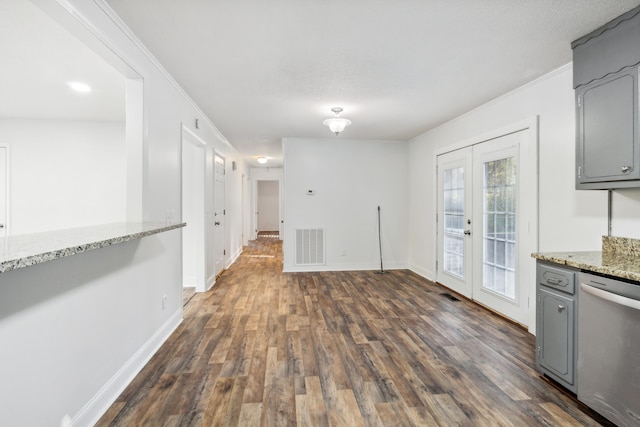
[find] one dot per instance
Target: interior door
(4, 202)
(219, 215)
(454, 221)
(479, 226)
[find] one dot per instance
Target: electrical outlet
(164, 301)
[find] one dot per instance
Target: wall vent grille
(310, 246)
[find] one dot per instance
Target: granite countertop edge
(26, 250)
(616, 265)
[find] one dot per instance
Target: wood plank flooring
(339, 349)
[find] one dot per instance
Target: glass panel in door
(454, 221)
(454, 208)
(499, 237)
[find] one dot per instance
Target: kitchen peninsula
(31, 249)
(82, 310)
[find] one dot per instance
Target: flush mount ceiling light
(337, 123)
(262, 160)
(79, 87)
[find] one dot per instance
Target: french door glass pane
(454, 221)
(499, 196)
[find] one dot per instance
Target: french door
(481, 224)
(454, 220)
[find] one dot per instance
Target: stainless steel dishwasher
(609, 348)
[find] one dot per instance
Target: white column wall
(75, 331)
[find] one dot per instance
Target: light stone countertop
(620, 258)
(30, 249)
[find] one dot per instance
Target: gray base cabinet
(556, 354)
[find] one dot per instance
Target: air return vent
(309, 246)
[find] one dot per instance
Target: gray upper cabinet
(605, 77)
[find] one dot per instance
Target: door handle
(216, 223)
(625, 169)
(467, 232)
(1, 225)
(561, 308)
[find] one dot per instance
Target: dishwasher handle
(611, 297)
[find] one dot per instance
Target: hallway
(339, 348)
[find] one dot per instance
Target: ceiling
(264, 70)
(39, 57)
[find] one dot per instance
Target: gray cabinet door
(607, 131)
(556, 324)
(608, 49)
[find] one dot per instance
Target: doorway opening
(193, 211)
(268, 210)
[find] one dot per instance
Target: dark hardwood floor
(341, 349)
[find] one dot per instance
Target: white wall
(569, 220)
(268, 205)
(69, 325)
(75, 331)
(65, 173)
(625, 215)
(350, 178)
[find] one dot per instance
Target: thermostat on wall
(310, 192)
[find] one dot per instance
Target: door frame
(253, 235)
(257, 200)
(198, 201)
(530, 207)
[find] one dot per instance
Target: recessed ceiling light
(79, 87)
(262, 160)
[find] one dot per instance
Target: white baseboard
(234, 257)
(100, 403)
(210, 282)
(427, 274)
(188, 281)
(343, 267)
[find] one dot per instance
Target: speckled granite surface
(620, 257)
(30, 249)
